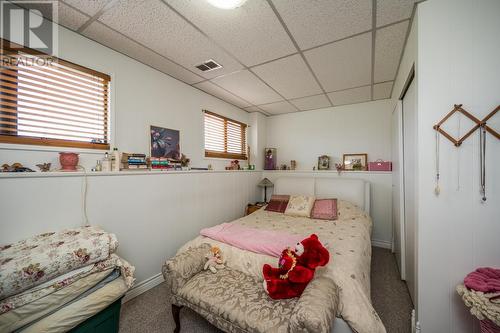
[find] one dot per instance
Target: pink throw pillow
(278, 203)
(324, 209)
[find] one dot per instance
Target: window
(52, 102)
(224, 137)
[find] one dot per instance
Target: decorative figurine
(339, 167)
(45, 167)
(185, 162)
(16, 167)
(270, 159)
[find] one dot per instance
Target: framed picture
(164, 142)
(355, 162)
(324, 162)
(270, 159)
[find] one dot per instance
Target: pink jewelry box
(380, 165)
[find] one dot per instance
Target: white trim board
(156, 279)
(143, 286)
(382, 243)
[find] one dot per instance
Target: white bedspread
(347, 239)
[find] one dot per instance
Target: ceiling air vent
(208, 65)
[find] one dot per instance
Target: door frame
(398, 112)
(414, 293)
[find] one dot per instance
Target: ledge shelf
(330, 172)
(11, 175)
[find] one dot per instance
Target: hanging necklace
(482, 160)
(458, 154)
(437, 190)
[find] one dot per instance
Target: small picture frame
(355, 162)
(324, 162)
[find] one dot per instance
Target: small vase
(68, 161)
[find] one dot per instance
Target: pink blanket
(267, 242)
(484, 279)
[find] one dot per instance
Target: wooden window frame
(42, 141)
(225, 154)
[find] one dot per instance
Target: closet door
(398, 245)
(410, 187)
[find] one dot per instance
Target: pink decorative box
(379, 165)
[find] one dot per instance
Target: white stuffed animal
(215, 260)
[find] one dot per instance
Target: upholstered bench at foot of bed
(236, 302)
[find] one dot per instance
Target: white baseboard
(143, 286)
(381, 243)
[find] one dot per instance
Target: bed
(348, 240)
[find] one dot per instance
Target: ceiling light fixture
(226, 4)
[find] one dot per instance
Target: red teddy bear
(296, 269)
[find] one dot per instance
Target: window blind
(49, 101)
(224, 137)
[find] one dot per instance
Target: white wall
(140, 97)
(358, 128)
(410, 232)
(458, 62)
(258, 139)
(152, 215)
(408, 60)
(381, 200)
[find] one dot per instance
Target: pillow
(299, 205)
(278, 203)
(347, 210)
(324, 209)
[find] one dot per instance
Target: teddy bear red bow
(296, 268)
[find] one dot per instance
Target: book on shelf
(132, 156)
(135, 167)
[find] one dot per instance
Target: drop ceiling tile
(247, 86)
(70, 18)
(351, 96)
(152, 23)
(382, 90)
(253, 24)
(389, 11)
(66, 15)
(216, 91)
(389, 44)
(253, 108)
(311, 102)
(343, 64)
(278, 107)
(289, 76)
(325, 20)
(106, 36)
(89, 7)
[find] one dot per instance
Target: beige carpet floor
(151, 311)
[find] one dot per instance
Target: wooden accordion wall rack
(479, 124)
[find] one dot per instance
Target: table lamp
(265, 183)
